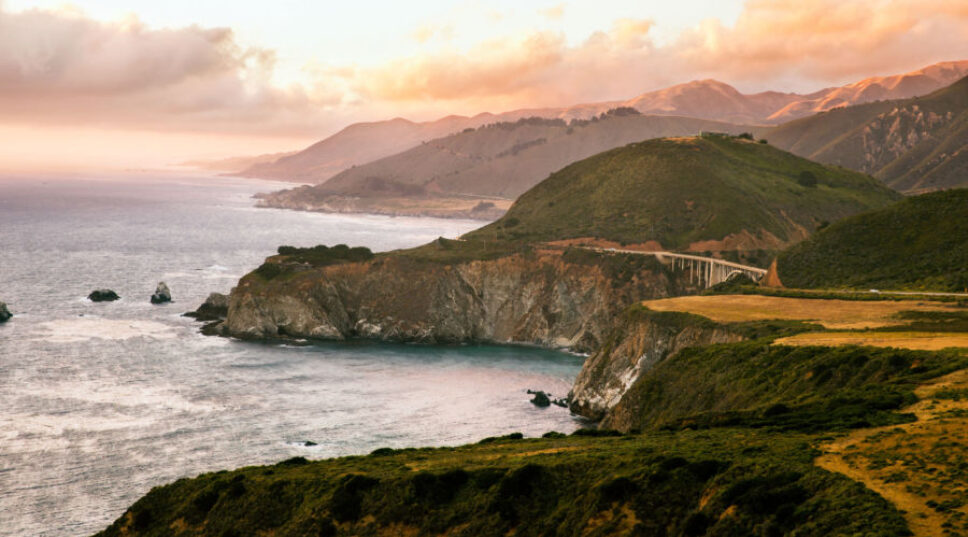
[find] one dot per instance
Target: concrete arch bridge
(705, 271)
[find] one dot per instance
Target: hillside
(496, 162)
(707, 193)
(919, 243)
(731, 439)
(356, 144)
(913, 145)
(361, 143)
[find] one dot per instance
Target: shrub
(807, 179)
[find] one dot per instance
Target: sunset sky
(123, 83)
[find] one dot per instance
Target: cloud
(773, 44)
(62, 67)
(827, 40)
(554, 13)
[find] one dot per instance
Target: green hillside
(919, 243)
(912, 145)
(679, 191)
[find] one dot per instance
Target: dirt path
(913, 464)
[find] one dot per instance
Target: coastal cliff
(640, 340)
(549, 298)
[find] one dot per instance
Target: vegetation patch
(920, 243)
(636, 194)
(722, 482)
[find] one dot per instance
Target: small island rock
(5, 314)
(162, 294)
(103, 295)
(215, 308)
(540, 399)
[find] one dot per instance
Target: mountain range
(704, 99)
(495, 163)
(913, 145)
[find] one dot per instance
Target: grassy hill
(682, 191)
(499, 161)
(912, 145)
(919, 243)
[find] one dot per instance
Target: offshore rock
(5, 314)
(639, 340)
(215, 308)
(540, 399)
(103, 295)
(538, 298)
(162, 294)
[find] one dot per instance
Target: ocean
(100, 402)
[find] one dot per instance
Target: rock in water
(215, 308)
(162, 294)
(5, 314)
(103, 295)
(540, 399)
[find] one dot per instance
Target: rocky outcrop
(5, 314)
(103, 295)
(162, 294)
(215, 308)
(537, 298)
(639, 340)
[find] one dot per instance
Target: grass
(757, 384)
(679, 191)
(830, 313)
(723, 482)
(919, 466)
(918, 244)
(927, 341)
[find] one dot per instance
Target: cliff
(544, 297)
(640, 340)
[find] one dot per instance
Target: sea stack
(215, 308)
(103, 295)
(162, 294)
(5, 314)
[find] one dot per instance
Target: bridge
(704, 271)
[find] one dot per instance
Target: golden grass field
(924, 341)
(911, 463)
(830, 313)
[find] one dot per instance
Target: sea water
(100, 402)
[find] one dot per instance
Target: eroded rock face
(215, 307)
(638, 341)
(538, 299)
(5, 314)
(162, 294)
(103, 295)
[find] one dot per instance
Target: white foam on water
(110, 392)
(86, 328)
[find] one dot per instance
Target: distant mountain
(919, 243)
(709, 193)
(913, 145)
(497, 162)
(361, 143)
(235, 165)
(913, 84)
(705, 99)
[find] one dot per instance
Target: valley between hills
(825, 399)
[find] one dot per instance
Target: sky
(131, 83)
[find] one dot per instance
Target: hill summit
(713, 192)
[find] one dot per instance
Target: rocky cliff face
(536, 298)
(638, 341)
